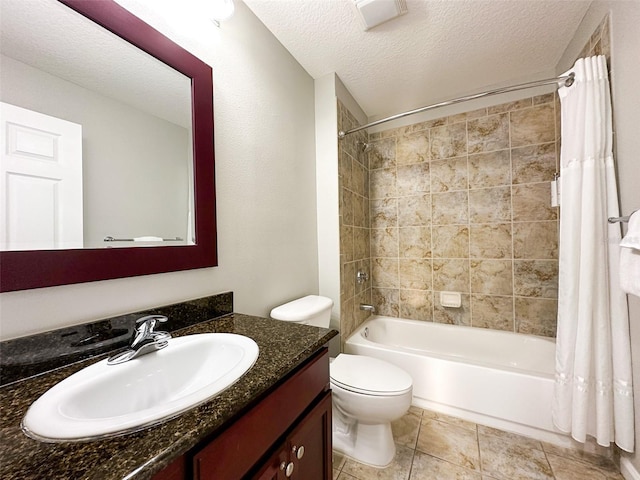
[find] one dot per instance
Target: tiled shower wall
(462, 204)
(353, 174)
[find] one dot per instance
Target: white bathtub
(500, 379)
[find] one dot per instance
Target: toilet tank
(310, 310)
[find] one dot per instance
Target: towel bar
(111, 239)
(621, 219)
(618, 219)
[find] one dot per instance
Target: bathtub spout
(368, 308)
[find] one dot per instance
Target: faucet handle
(145, 328)
(144, 340)
(149, 322)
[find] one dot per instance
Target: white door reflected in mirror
(41, 184)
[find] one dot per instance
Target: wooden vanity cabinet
(297, 413)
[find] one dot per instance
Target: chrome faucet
(369, 308)
(145, 340)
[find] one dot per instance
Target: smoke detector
(375, 12)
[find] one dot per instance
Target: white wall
(625, 78)
(265, 182)
(327, 192)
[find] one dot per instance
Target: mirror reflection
(96, 136)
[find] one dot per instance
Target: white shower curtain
(593, 391)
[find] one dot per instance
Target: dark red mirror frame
(21, 270)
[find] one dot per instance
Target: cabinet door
(310, 444)
(305, 454)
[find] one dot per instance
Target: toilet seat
(369, 376)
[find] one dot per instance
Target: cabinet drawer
(239, 447)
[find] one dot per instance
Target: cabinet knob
(289, 470)
(299, 451)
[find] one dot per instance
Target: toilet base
(371, 444)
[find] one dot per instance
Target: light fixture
(221, 10)
(375, 12)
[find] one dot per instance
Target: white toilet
(368, 393)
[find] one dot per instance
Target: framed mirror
(170, 87)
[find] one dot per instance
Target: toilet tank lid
(302, 309)
(369, 374)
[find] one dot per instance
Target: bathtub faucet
(368, 308)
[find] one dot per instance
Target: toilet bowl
(368, 393)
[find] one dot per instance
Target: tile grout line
(513, 274)
(479, 451)
(431, 246)
(413, 456)
(415, 446)
(553, 475)
(396, 197)
(470, 289)
(469, 231)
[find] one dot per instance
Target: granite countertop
(283, 346)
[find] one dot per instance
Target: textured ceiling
(439, 50)
(52, 38)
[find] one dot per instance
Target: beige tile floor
(432, 446)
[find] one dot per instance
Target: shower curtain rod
(567, 79)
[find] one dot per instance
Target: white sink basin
(105, 400)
